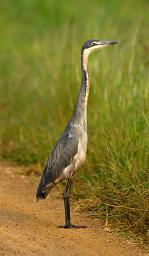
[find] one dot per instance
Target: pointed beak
(101, 44)
(106, 43)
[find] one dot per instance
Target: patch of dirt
(29, 228)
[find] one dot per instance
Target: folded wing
(61, 157)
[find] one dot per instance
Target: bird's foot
(73, 226)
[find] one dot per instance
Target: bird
(69, 152)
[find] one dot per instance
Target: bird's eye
(93, 43)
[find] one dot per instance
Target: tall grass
(39, 82)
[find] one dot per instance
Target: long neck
(80, 112)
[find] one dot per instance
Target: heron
(69, 152)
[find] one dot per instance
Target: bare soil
(29, 228)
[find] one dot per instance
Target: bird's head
(93, 45)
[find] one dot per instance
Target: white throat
(86, 54)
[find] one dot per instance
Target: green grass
(39, 82)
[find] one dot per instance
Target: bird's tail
(43, 191)
(45, 185)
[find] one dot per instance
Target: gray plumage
(70, 151)
(60, 158)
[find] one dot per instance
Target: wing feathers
(61, 156)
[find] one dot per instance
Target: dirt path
(28, 228)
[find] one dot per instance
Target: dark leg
(67, 206)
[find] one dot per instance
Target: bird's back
(65, 158)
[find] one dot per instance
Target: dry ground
(29, 228)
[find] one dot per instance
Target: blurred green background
(40, 76)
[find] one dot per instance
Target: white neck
(85, 56)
